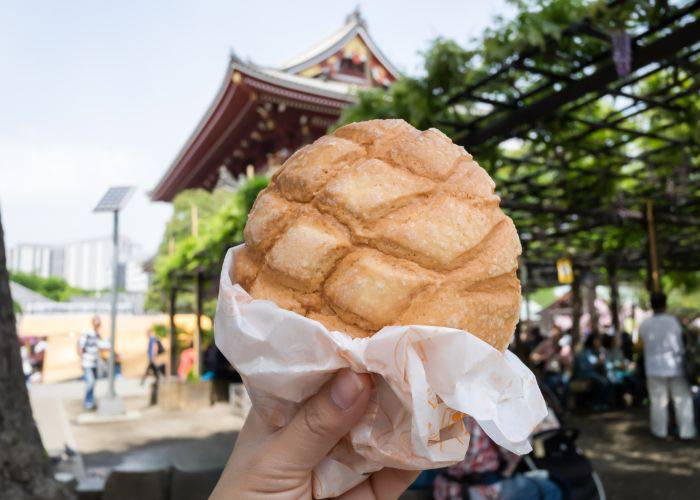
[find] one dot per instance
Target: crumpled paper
(426, 378)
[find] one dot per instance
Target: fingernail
(346, 388)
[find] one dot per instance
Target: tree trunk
(576, 308)
(198, 282)
(172, 332)
(614, 298)
(594, 321)
(25, 471)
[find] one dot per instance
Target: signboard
(565, 271)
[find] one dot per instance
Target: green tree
(53, 287)
(221, 217)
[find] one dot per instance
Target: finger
(362, 491)
(388, 483)
(254, 430)
(321, 422)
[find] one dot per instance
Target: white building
(88, 265)
(43, 260)
(85, 264)
(136, 280)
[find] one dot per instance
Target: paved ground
(51, 402)
(630, 462)
(159, 439)
(156, 439)
(635, 465)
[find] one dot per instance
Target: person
(154, 348)
(663, 362)
(617, 370)
(117, 365)
(487, 472)
(627, 345)
(89, 346)
(693, 355)
(545, 349)
(554, 364)
(38, 357)
(530, 338)
(270, 462)
(26, 361)
(218, 369)
(590, 365)
(186, 363)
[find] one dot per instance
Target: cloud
(47, 193)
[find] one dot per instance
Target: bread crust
(381, 224)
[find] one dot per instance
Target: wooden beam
(593, 318)
(611, 267)
(617, 116)
(653, 256)
(622, 130)
(576, 307)
(646, 100)
(545, 107)
(198, 324)
(172, 331)
(532, 52)
(492, 102)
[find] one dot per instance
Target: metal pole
(198, 323)
(113, 201)
(575, 307)
(590, 285)
(526, 290)
(614, 298)
(172, 334)
(115, 287)
(653, 255)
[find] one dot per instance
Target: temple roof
(228, 119)
(354, 26)
(333, 89)
(237, 130)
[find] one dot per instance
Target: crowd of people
(603, 372)
(93, 349)
(607, 371)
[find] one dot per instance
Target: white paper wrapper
(425, 378)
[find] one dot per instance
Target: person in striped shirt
(89, 346)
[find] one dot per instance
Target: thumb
(322, 422)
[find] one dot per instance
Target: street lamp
(114, 200)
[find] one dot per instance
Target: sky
(95, 93)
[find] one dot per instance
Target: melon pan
(381, 224)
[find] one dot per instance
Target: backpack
(556, 452)
(160, 348)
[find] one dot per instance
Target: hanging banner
(565, 271)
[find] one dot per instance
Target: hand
(269, 463)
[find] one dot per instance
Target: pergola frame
(549, 188)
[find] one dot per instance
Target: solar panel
(115, 199)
